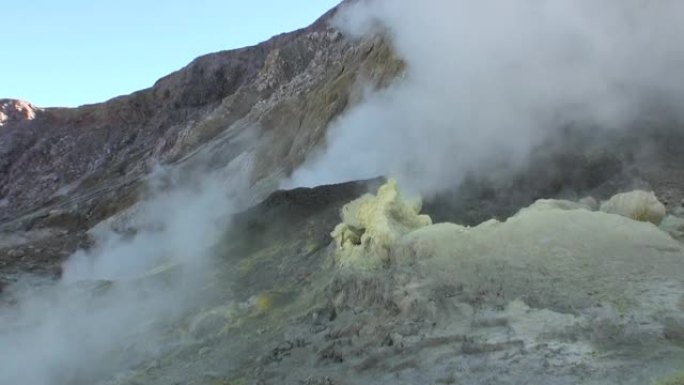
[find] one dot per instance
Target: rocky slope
(266, 105)
(560, 293)
(15, 111)
(283, 92)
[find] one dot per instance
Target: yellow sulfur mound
(552, 253)
(639, 205)
(371, 224)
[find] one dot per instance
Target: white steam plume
(109, 311)
(489, 79)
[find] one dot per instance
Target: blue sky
(73, 52)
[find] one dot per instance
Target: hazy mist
(488, 80)
(118, 303)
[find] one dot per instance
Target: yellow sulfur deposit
(639, 205)
(262, 303)
(372, 223)
(675, 379)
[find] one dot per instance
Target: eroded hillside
(265, 107)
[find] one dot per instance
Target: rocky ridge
(261, 108)
(272, 100)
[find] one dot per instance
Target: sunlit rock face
(12, 110)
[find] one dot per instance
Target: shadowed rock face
(272, 100)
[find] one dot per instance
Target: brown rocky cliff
(87, 163)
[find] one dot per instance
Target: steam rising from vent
(487, 80)
(118, 304)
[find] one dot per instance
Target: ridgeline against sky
(74, 52)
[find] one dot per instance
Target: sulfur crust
(639, 205)
(554, 253)
(371, 224)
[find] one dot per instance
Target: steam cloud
(487, 80)
(110, 310)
